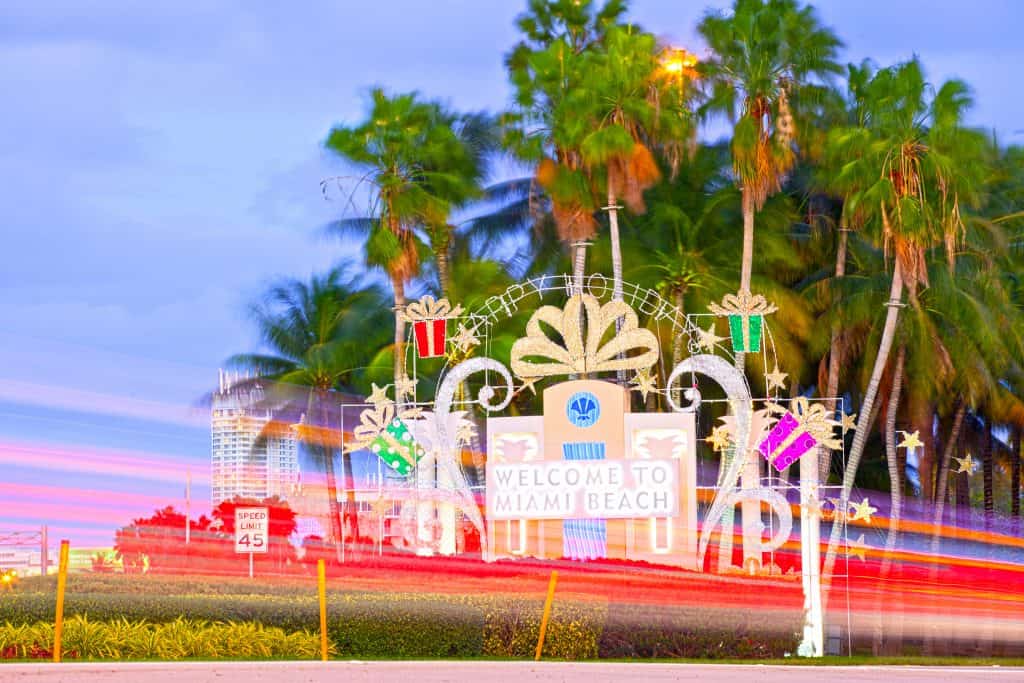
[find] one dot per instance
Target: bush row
(179, 639)
(422, 625)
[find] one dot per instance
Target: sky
(160, 163)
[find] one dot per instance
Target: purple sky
(160, 163)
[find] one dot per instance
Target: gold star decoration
(465, 338)
(849, 421)
(965, 464)
(719, 438)
(528, 383)
(862, 510)
(379, 395)
(776, 379)
(707, 338)
(644, 383)
(405, 387)
(813, 505)
(911, 441)
(856, 548)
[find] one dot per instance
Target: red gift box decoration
(429, 320)
(430, 337)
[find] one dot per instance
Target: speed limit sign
(252, 529)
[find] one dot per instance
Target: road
(483, 672)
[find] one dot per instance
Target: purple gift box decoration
(780, 433)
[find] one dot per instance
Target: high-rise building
(245, 461)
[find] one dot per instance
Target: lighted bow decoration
(746, 313)
(428, 308)
(577, 355)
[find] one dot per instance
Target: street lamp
(679, 62)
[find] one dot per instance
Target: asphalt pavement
(483, 672)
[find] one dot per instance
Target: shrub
(374, 624)
(178, 639)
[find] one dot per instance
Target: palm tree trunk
(579, 265)
(932, 640)
(895, 492)
(923, 421)
(613, 229)
(832, 385)
(1015, 463)
(864, 420)
(941, 485)
(895, 476)
(444, 275)
(398, 285)
(987, 471)
(748, 239)
(337, 536)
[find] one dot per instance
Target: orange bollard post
(321, 580)
(547, 613)
(62, 580)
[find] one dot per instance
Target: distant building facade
(242, 464)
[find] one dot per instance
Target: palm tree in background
(418, 162)
(615, 118)
(912, 165)
(546, 67)
(320, 335)
(764, 53)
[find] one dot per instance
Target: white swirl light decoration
(738, 393)
(442, 408)
(778, 503)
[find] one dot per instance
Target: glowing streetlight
(679, 62)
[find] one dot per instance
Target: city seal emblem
(583, 409)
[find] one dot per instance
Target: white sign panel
(581, 489)
(252, 530)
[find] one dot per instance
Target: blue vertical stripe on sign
(584, 539)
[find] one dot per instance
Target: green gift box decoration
(745, 331)
(746, 313)
(396, 447)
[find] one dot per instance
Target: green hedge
(416, 625)
(179, 639)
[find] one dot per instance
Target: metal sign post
(252, 532)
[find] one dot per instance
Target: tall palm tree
(912, 165)
(319, 335)
(618, 117)
(763, 53)
(417, 164)
(546, 67)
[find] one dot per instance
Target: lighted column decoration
(429, 318)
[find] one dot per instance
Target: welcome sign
(594, 489)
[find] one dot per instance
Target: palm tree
(419, 162)
(320, 335)
(619, 116)
(546, 67)
(763, 54)
(911, 166)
